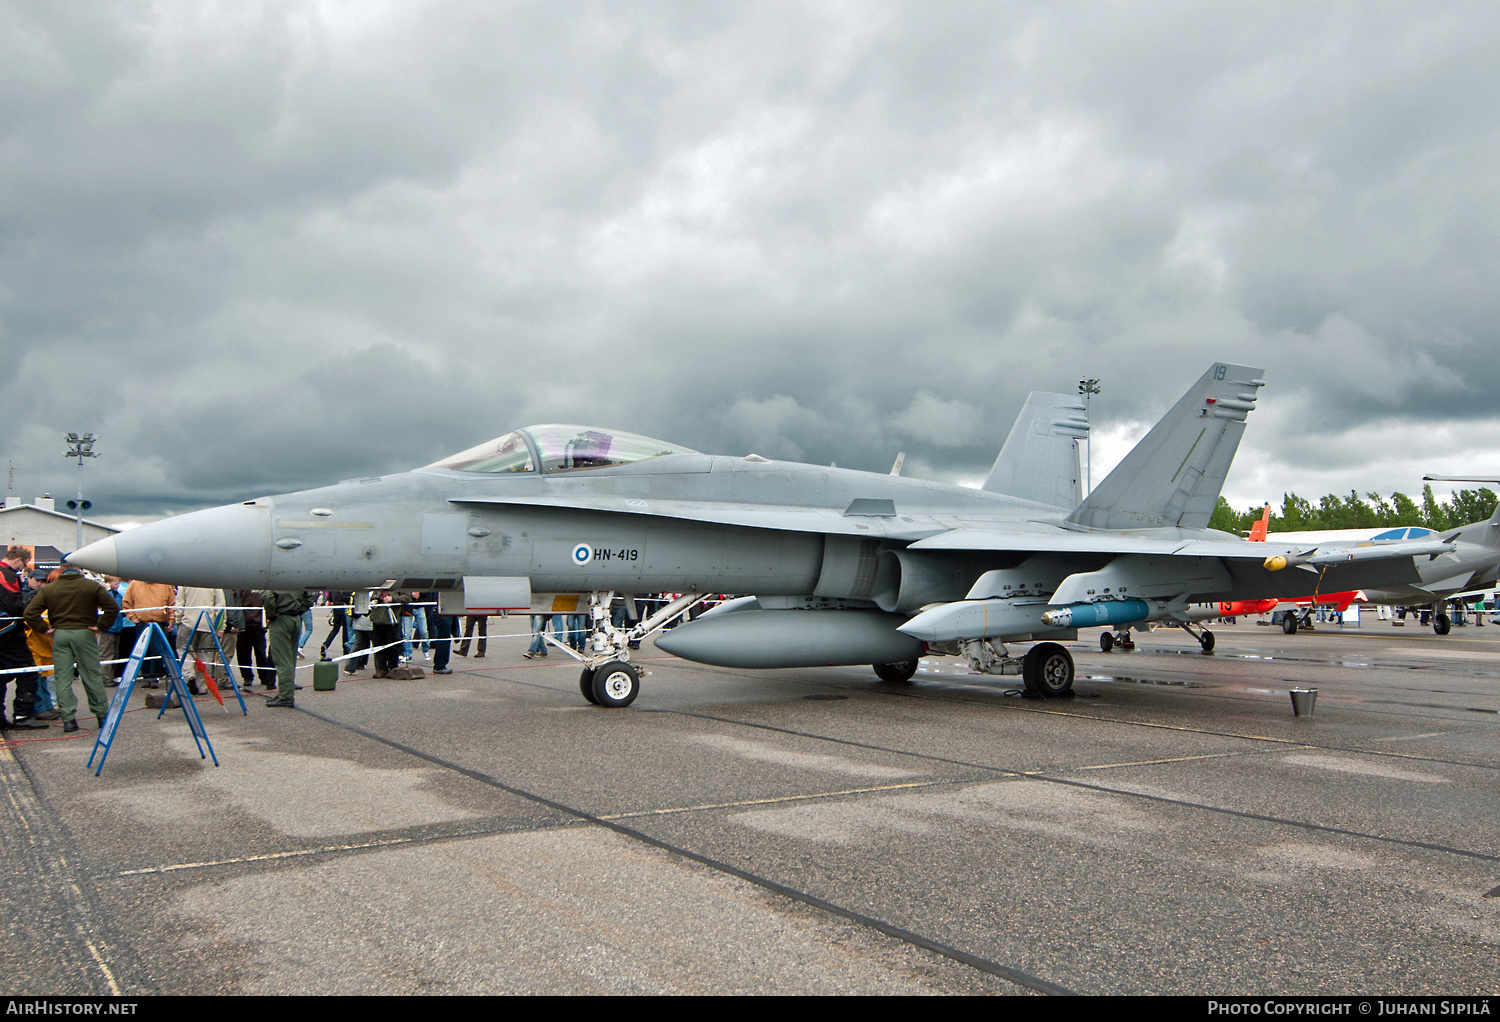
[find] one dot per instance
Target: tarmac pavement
(1173, 829)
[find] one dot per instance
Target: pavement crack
(345, 848)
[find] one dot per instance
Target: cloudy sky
(264, 246)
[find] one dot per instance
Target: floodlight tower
(1087, 387)
(80, 447)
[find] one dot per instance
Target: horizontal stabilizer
(1172, 478)
(1039, 461)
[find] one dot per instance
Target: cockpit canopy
(558, 447)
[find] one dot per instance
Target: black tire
(1289, 623)
(586, 685)
(1047, 670)
(901, 670)
(1207, 641)
(616, 684)
(1441, 624)
(1106, 641)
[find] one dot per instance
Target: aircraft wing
(1313, 557)
(932, 532)
(1054, 541)
(1325, 568)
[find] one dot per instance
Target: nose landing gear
(608, 679)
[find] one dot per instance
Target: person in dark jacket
(440, 628)
(250, 643)
(361, 632)
(339, 622)
(385, 615)
(15, 655)
(76, 607)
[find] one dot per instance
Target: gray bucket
(1303, 701)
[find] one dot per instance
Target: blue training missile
(1087, 615)
(1004, 619)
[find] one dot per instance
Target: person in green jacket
(77, 607)
(283, 624)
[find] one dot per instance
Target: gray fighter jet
(846, 567)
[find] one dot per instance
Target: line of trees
(1298, 514)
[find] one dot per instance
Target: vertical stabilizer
(1258, 530)
(1040, 458)
(1174, 475)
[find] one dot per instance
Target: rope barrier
(320, 606)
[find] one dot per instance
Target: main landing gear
(1122, 640)
(608, 678)
(1046, 669)
(901, 670)
(1203, 635)
(1441, 623)
(1291, 621)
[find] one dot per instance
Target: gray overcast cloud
(262, 247)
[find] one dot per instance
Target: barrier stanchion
(223, 659)
(152, 636)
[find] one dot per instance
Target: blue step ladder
(151, 638)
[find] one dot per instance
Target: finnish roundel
(582, 553)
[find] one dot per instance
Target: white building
(49, 532)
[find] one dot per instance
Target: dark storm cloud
(265, 246)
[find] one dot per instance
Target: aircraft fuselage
(430, 527)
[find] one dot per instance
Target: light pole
(80, 447)
(1086, 387)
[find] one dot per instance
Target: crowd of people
(67, 624)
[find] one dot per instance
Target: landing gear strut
(608, 678)
(1203, 635)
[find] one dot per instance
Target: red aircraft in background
(1239, 608)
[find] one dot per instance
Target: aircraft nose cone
(222, 547)
(98, 556)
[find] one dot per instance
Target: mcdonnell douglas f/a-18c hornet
(846, 567)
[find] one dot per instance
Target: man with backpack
(283, 610)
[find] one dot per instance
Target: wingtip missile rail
(1372, 551)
